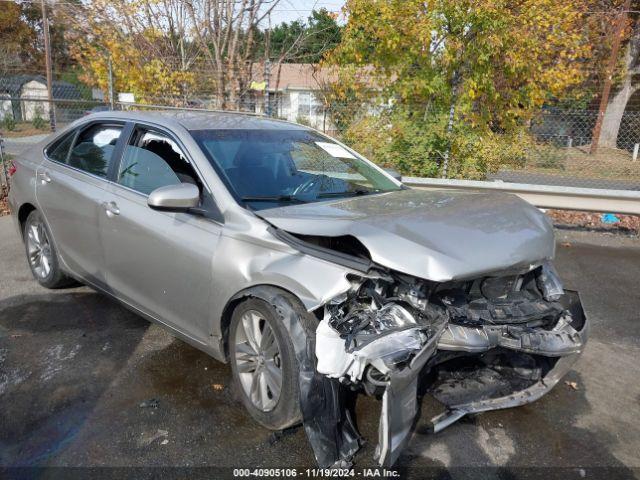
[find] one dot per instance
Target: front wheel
(264, 365)
(41, 253)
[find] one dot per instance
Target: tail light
(12, 169)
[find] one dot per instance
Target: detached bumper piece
(476, 346)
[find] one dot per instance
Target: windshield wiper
(272, 198)
(360, 191)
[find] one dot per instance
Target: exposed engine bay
(493, 342)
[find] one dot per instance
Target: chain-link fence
(553, 149)
(560, 153)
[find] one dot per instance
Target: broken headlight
(549, 282)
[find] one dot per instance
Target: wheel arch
(23, 213)
(266, 292)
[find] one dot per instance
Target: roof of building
(12, 85)
(299, 76)
(304, 76)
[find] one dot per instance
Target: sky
(288, 10)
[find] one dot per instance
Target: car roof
(204, 120)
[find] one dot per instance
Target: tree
(499, 58)
(21, 40)
(627, 83)
(169, 47)
(492, 63)
(299, 41)
(17, 40)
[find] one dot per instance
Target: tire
(275, 411)
(42, 255)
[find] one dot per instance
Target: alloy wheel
(39, 249)
(258, 360)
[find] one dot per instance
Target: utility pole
(111, 99)
(47, 56)
(267, 70)
(606, 90)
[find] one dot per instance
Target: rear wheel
(41, 253)
(264, 365)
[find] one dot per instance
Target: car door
(71, 186)
(160, 262)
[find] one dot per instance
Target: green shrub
(416, 143)
(38, 122)
(303, 120)
(9, 122)
(397, 139)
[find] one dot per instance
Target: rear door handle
(44, 176)
(111, 208)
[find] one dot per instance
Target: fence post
(635, 151)
(267, 78)
(111, 100)
(47, 57)
(445, 165)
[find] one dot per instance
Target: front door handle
(44, 176)
(111, 208)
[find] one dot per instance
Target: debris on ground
(147, 438)
(151, 403)
(218, 387)
(279, 434)
(609, 218)
(4, 205)
(573, 385)
(608, 222)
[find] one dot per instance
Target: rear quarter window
(59, 150)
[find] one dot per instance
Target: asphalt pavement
(16, 145)
(86, 383)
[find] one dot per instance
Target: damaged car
(316, 274)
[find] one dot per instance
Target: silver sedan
(315, 273)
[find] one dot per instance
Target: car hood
(435, 235)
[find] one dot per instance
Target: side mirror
(175, 198)
(394, 173)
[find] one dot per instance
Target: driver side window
(152, 160)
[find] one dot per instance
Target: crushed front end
(493, 342)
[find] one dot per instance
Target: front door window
(153, 160)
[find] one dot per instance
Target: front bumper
(400, 405)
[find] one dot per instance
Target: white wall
(34, 90)
(292, 108)
(5, 106)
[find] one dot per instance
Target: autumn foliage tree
(168, 48)
(488, 63)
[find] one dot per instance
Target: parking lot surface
(85, 382)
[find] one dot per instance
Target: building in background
(25, 97)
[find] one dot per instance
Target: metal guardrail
(544, 196)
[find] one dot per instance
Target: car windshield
(269, 168)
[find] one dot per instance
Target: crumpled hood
(435, 235)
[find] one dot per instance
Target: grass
(23, 129)
(607, 163)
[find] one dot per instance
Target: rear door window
(94, 147)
